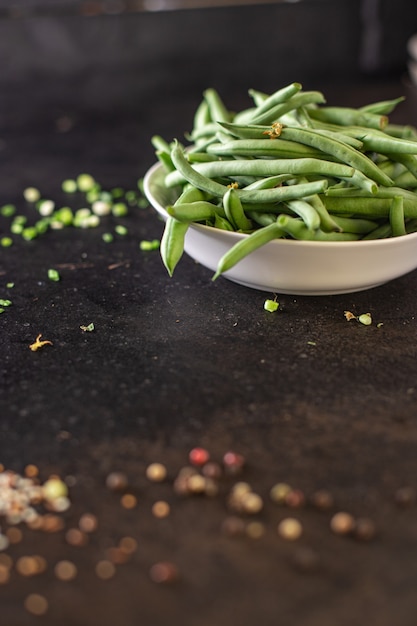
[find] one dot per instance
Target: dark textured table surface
(306, 397)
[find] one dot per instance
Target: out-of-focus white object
(412, 62)
(289, 266)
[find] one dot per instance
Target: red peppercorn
(198, 456)
(233, 462)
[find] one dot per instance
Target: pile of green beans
(289, 166)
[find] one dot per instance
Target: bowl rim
(235, 236)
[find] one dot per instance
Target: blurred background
(122, 54)
(143, 64)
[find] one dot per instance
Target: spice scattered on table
(38, 343)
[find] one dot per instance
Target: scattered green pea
(121, 230)
(6, 242)
(5, 302)
(101, 207)
(46, 207)
(69, 186)
(107, 237)
(131, 197)
(54, 275)
(29, 233)
(9, 285)
(64, 215)
(8, 210)
(149, 245)
(88, 328)
(365, 318)
(31, 194)
(271, 305)
(117, 192)
(119, 209)
(85, 182)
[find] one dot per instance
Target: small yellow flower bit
(275, 130)
(39, 344)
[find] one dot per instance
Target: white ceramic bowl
(289, 266)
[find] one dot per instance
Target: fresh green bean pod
(299, 100)
(266, 168)
(396, 217)
(222, 223)
(377, 142)
(234, 210)
(245, 131)
(406, 179)
(246, 246)
(327, 221)
(278, 97)
(382, 232)
(307, 213)
(199, 211)
(402, 131)
(269, 182)
(202, 115)
(192, 176)
(338, 150)
(357, 225)
(409, 161)
(263, 219)
(346, 116)
(384, 107)
(172, 243)
(296, 228)
(281, 194)
(217, 108)
(366, 206)
(258, 148)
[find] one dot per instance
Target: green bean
(327, 221)
(222, 223)
(403, 131)
(263, 148)
(234, 210)
(202, 115)
(342, 137)
(192, 176)
(246, 246)
(406, 179)
(377, 142)
(370, 207)
(297, 229)
(355, 224)
(265, 168)
(204, 132)
(409, 161)
(307, 213)
(264, 101)
(335, 148)
(172, 243)
(245, 131)
(382, 232)
(218, 111)
(396, 216)
(282, 194)
(384, 107)
(278, 97)
(346, 116)
(269, 182)
(274, 113)
(198, 211)
(263, 219)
